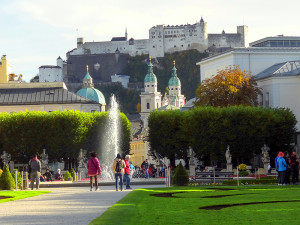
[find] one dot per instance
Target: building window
(174, 46)
(260, 100)
(148, 105)
(148, 85)
(153, 46)
(152, 85)
(267, 100)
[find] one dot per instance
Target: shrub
(73, 174)
(243, 173)
(250, 182)
(67, 175)
(181, 177)
(6, 180)
(19, 177)
(1, 171)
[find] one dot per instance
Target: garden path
(68, 206)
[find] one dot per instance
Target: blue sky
(35, 32)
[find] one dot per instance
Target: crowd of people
(287, 166)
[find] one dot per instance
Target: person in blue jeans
(146, 168)
(281, 168)
(118, 169)
(127, 172)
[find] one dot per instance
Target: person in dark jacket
(35, 168)
(48, 175)
(288, 168)
(281, 168)
(295, 168)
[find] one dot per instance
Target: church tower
(175, 97)
(150, 98)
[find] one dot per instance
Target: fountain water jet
(112, 135)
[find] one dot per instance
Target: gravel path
(68, 206)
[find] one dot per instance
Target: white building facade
(48, 73)
(252, 59)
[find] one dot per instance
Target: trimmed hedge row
(209, 130)
(61, 133)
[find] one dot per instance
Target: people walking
(118, 169)
(94, 169)
(295, 168)
(127, 172)
(145, 166)
(281, 168)
(35, 171)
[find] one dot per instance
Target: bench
(213, 176)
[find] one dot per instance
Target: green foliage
(209, 130)
(67, 175)
(6, 180)
(243, 173)
(127, 98)
(73, 174)
(61, 133)
(181, 177)
(19, 177)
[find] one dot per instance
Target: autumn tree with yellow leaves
(230, 86)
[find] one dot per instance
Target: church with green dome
(88, 91)
(152, 100)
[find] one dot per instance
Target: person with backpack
(35, 168)
(118, 169)
(94, 169)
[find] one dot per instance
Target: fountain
(111, 144)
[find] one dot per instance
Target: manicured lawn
(141, 207)
(16, 195)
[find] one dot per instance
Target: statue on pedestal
(82, 163)
(265, 154)
(5, 157)
(228, 155)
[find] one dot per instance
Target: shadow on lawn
(219, 207)
(5, 197)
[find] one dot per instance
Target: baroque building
(152, 100)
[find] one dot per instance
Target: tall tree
(230, 86)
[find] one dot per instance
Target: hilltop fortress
(111, 57)
(166, 39)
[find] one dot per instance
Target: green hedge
(61, 133)
(209, 130)
(6, 180)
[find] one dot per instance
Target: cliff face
(101, 66)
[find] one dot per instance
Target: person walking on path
(281, 168)
(35, 171)
(118, 169)
(295, 168)
(288, 168)
(145, 166)
(127, 172)
(94, 169)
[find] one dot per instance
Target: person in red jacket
(94, 169)
(127, 172)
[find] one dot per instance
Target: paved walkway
(68, 206)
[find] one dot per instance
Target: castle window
(174, 46)
(148, 106)
(153, 46)
(147, 85)
(176, 88)
(152, 85)
(181, 45)
(172, 88)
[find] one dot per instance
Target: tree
(230, 86)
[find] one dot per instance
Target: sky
(35, 32)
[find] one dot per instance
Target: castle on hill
(166, 39)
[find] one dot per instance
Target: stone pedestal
(192, 170)
(266, 165)
(229, 167)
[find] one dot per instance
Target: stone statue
(228, 155)
(265, 154)
(82, 163)
(44, 161)
(5, 157)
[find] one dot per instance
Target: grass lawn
(16, 195)
(142, 207)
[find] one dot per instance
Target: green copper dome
(150, 76)
(92, 94)
(87, 76)
(174, 80)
